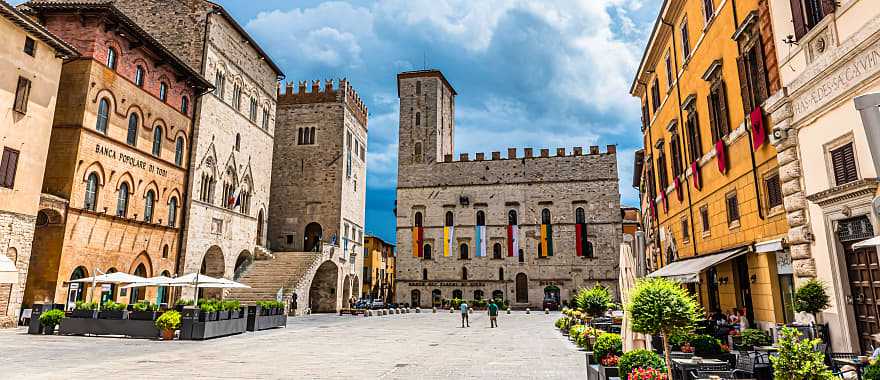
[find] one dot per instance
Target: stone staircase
(266, 275)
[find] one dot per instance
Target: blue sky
(528, 73)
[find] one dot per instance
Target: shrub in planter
(811, 298)
(233, 307)
(659, 306)
(144, 306)
(608, 344)
(143, 311)
(167, 323)
(754, 337)
(50, 319)
(646, 374)
(676, 341)
(84, 309)
(595, 302)
(706, 345)
(871, 372)
(641, 359)
(112, 310)
(799, 359)
(575, 331)
(561, 322)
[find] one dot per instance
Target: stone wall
(17, 231)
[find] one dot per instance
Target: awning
(769, 246)
(872, 242)
(8, 272)
(688, 270)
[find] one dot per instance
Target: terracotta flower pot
(167, 334)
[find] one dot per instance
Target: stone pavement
(406, 346)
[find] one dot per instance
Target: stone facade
(24, 139)
(435, 192)
(116, 183)
(235, 124)
(319, 175)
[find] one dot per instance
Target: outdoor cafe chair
(723, 375)
(681, 355)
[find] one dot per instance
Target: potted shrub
(608, 349)
(706, 346)
(575, 332)
(662, 306)
(84, 310)
(207, 312)
(232, 308)
(752, 338)
(50, 319)
(143, 311)
(167, 323)
(641, 359)
(181, 303)
(112, 310)
(595, 301)
(798, 358)
(811, 298)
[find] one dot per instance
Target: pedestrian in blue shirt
(464, 314)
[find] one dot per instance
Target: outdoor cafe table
(684, 366)
(856, 363)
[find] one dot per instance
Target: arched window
(163, 91)
(91, 198)
(418, 118)
(172, 212)
(122, 200)
(299, 136)
(481, 218)
(157, 141)
(418, 219)
(501, 274)
(545, 216)
(478, 295)
(139, 76)
(426, 253)
(178, 151)
(449, 219)
(464, 274)
(456, 294)
(511, 218)
(103, 115)
(131, 138)
(498, 295)
(238, 142)
(417, 152)
(165, 251)
(149, 203)
(111, 58)
(496, 251)
(424, 274)
(463, 251)
(579, 216)
(219, 85)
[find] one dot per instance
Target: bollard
(470, 311)
(546, 311)
(508, 310)
(528, 310)
(418, 310)
(434, 310)
(368, 313)
(451, 310)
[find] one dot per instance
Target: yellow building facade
(711, 195)
(378, 272)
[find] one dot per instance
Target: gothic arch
(111, 97)
(126, 178)
(134, 108)
(142, 258)
(151, 186)
(172, 194)
(97, 168)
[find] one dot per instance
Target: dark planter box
(120, 314)
(256, 321)
(606, 373)
(193, 328)
(35, 327)
(593, 372)
(142, 315)
(223, 315)
(207, 317)
(126, 327)
(82, 314)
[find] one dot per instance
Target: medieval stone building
(516, 228)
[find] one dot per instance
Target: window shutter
(797, 17)
(4, 163)
(844, 165)
(713, 122)
(746, 93)
(722, 109)
(10, 163)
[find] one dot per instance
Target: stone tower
(427, 118)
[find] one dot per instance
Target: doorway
(741, 265)
(522, 288)
(863, 271)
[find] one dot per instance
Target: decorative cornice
(861, 188)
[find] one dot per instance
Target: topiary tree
(640, 359)
(799, 359)
(811, 298)
(661, 306)
(608, 344)
(595, 301)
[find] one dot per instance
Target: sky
(529, 73)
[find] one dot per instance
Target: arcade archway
(312, 237)
(322, 293)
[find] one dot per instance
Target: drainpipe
(681, 140)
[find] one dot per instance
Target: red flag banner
(678, 193)
(664, 201)
(721, 156)
(695, 173)
(759, 134)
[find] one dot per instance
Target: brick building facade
(517, 228)
(116, 184)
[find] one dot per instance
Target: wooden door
(864, 283)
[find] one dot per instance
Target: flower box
(223, 315)
(127, 327)
(82, 314)
(606, 373)
(256, 320)
(142, 315)
(111, 314)
(195, 327)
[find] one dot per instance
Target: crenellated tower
(427, 118)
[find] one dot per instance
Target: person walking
(493, 314)
(464, 314)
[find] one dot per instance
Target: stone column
(785, 140)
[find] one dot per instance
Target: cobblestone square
(406, 346)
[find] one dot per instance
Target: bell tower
(427, 118)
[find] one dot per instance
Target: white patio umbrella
(152, 281)
(8, 272)
(627, 280)
(112, 278)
